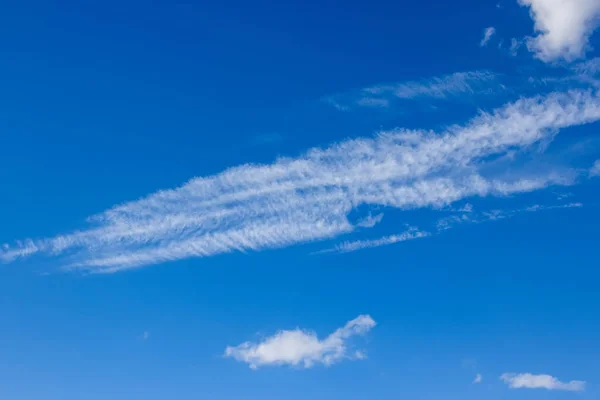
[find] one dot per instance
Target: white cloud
(370, 221)
(349, 246)
(302, 348)
(478, 378)
(538, 207)
(443, 224)
(515, 45)
(595, 170)
(563, 27)
(530, 381)
(495, 215)
(442, 87)
(588, 68)
(438, 87)
(309, 198)
(487, 35)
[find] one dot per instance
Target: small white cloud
(595, 170)
(349, 246)
(302, 348)
(438, 87)
(478, 378)
(530, 381)
(515, 45)
(335, 104)
(370, 221)
(487, 35)
(563, 27)
(562, 196)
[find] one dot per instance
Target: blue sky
(333, 200)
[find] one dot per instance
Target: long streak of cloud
(487, 35)
(308, 198)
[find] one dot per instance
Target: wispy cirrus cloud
(437, 87)
(349, 246)
(589, 67)
(467, 216)
(531, 381)
(497, 214)
(308, 198)
(303, 348)
(443, 87)
(487, 35)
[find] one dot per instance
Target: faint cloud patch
(440, 88)
(373, 102)
(515, 45)
(487, 35)
(595, 170)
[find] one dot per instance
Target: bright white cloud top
(530, 381)
(309, 198)
(563, 27)
(303, 348)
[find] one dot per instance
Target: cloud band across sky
(308, 198)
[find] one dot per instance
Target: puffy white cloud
(478, 378)
(563, 27)
(487, 35)
(530, 381)
(302, 348)
(309, 198)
